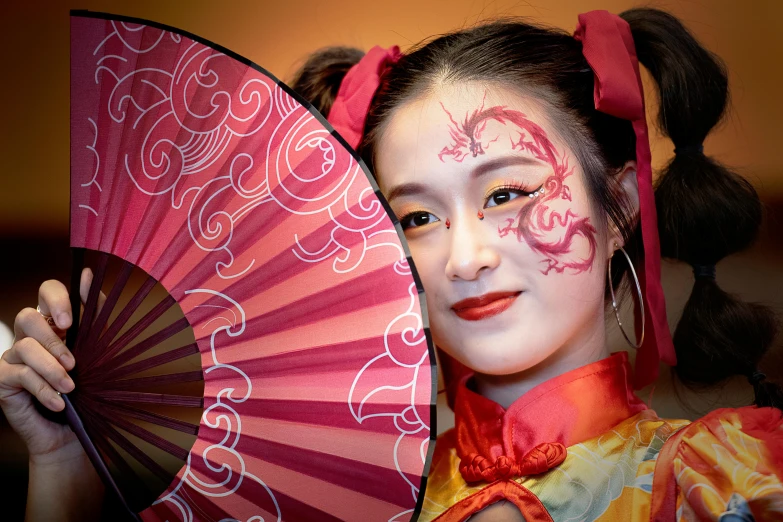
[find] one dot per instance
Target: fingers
(31, 353)
(53, 300)
(84, 288)
(85, 283)
(29, 366)
(32, 326)
(19, 376)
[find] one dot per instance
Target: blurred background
(278, 35)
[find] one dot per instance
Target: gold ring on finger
(49, 318)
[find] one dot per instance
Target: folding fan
(296, 383)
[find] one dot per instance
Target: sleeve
(725, 467)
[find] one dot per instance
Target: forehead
(455, 127)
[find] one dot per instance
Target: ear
(626, 183)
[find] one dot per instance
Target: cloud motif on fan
(221, 412)
(407, 349)
(223, 148)
(182, 139)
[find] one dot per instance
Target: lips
(485, 306)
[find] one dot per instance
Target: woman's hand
(37, 366)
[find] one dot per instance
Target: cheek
(429, 265)
(567, 229)
(557, 226)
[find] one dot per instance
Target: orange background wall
(278, 33)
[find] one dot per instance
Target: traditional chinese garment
(583, 447)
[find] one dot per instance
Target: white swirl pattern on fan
(180, 149)
(216, 414)
(407, 420)
(180, 144)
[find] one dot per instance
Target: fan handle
(74, 421)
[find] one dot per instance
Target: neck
(506, 389)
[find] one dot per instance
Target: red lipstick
(485, 306)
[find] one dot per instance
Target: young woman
(516, 159)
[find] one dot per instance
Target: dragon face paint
(537, 222)
(530, 272)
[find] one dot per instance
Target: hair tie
(756, 377)
(349, 110)
(704, 271)
(608, 47)
(689, 149)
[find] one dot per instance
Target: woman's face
(509, 290)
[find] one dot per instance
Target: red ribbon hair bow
(607, 44)
(349, 110)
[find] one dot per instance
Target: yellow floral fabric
(725, 467)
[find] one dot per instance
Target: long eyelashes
(505, 193)
(496, 196)
(417, 218)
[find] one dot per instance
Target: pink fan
(296, 296)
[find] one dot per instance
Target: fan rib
(138, 431)
(150, 438)
(150, 362)
(143, 346)
(108, 307)
(77, 265)
(76, 422)
(131, 449)
(153, 418)
(146, 382)
(166, 399)
(108, 450)
(119, 322)
(133, 488)
(132, 333)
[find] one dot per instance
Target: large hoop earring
(614, 300)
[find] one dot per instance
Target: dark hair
(318, 80)
(705, 211)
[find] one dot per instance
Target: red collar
(537, 428)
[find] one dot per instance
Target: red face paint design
(535, 220)
(467, 137)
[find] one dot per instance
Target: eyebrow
(415, 189)
(505, 161)
(406, 189)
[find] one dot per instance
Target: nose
(471, 250)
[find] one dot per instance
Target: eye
(417, 219)
(503, 195)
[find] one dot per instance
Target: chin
(503, 367)
(488, 360)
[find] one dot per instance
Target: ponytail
(319, 78)
(705, 211)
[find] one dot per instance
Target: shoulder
(727, 462)
(752, 434)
